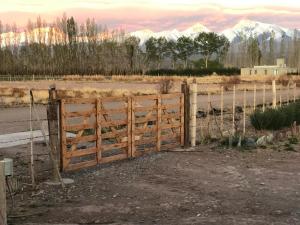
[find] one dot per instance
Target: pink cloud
(133, 18)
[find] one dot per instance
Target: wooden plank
(113, 158)
(115, 134)
(145, 119)
(172, 95)
(80, 100)
(81, 152)
(98, 130)
(144, 97)
(114, 99)
(171, 136)
(81, 139)
(171, 116)
(170, 126)
(146, 108)
(114, 123)
(81, 165)
(113, 111)
(87, 113)
(80, 127)
(142, 130)
(146, 140)
(158, 124)
(114, 146)
(185, 91)
(171, 106)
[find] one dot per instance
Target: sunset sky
(156, 14)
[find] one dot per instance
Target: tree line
(68, 47)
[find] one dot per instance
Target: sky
(156, 15)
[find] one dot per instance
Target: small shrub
(275, 119)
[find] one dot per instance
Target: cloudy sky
(156, 14)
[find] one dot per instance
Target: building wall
(267, 71)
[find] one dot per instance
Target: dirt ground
(210, 185)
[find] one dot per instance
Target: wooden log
(193, 113)
(186, 93)
(182, 120)
(63, 145)
(3, 215)
(53, 128)
(274, 101)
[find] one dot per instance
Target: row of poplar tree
(66, 47)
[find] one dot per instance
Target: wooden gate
(106, 129)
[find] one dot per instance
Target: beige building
(279, 69)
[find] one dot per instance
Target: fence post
(158, 123)
(264, 97)
(254, 97)
(52, 117)
(244, 113)
(233, 111)
(186, 93)
(274, 94)
(208, 115)
(222, 109)
(3, 219)
(294, 92)
(31, 141)
(193, 111)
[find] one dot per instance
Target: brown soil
(210, 186)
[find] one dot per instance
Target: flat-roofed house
(279, 69)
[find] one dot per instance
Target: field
(210, 184)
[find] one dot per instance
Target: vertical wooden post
(274, 101)
(182, 120)
(3, 217)
(133, 149)
(264, 97)
(99, 130)
(280, 96)
(158, 123)
(193, 104)
(129, 125)
(222, 109)
(244, 113)
(63, 141)
(32, 174)
(288, 93)
(207, 113)
(233, 111)
(294, 92)
(254, 97)
(53, 129)
(185, 91)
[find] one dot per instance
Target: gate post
(186, 93)
(3, 219)
(52, 116)
(193, 111)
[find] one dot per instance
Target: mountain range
(245, 28)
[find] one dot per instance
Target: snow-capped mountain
(174, 34)
(250, 28)
(246, 28)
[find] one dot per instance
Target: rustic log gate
(102, 130)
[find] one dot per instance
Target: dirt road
(207, 187)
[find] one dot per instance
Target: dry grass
(15, 96)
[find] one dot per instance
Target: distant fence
(113, 128)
